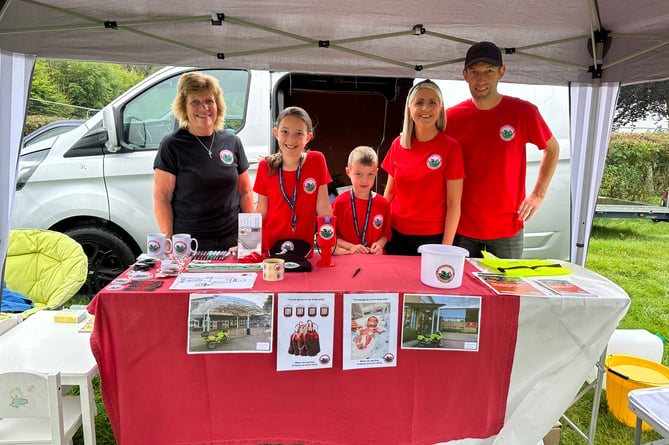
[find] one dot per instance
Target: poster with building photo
(230, 322)
(441, 322)
(370, 330)
(305, 331)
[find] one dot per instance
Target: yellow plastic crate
(625, 373)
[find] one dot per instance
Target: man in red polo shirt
(493, 130)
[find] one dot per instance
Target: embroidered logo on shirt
(309, 185)
(287, 246)
(507, 133)
(378, 221)
(227, 157)
(434, 162)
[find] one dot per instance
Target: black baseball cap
(483, 52)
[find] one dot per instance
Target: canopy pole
(585, 214)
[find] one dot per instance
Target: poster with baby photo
(441, 322)
(305, 331)
(370, 330)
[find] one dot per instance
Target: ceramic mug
(182, 244)
(157, 245)
(272, 269)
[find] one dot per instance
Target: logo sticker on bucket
(445, 273)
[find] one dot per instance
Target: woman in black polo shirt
(201, 178)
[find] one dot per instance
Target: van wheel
(108, 256)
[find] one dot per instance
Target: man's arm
(550, 159)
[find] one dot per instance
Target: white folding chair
(651, 405)
(33, 409)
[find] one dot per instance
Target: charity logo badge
(445, 273)
(434, 162)
(378, 221)
(388, 358)
(327, 231)
(507, 133)
(287, 246)
(227, 157)
(153, 246)
(309, 185)
(180, 247)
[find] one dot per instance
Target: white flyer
(305, 331)
(370, 330)
(221, 280)
(249, 236)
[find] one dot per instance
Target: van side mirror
(90, 144)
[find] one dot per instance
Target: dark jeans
(509, 248)
(401, 244)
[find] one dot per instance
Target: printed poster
(563, 286)
(230, 322)
(509, 285)
(370, 330)
(441, 322)
(305, 331)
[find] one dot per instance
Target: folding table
(651, 405)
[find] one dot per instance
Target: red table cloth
(156, 393)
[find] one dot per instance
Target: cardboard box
(553, 436)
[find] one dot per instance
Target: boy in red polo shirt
(363, 216)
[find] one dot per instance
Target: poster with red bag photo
(305, 331)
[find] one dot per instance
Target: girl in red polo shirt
(292, 184)
(425, 175)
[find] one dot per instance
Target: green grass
(635, 255)
(632, 253)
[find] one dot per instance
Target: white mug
(182, 244)
(156, 245)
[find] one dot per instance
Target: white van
(95, 183)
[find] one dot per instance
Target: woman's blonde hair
(275, 160)
(196, 83)
(408, 130)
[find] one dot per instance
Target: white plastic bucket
(442, 265)
(633, 342)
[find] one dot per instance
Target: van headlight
(27, 165)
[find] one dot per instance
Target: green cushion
(46, 266)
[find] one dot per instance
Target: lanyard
(291, 204)
(355, 217)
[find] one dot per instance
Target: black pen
(356, 272)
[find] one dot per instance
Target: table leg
(88, 410)
(637, 431)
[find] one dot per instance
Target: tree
(642, 101)
(90, 85)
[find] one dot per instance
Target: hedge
(35, 121)
(637, 166)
